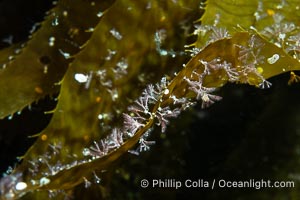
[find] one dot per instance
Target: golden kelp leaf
(274, 20)
(272, 13)
(227, 15)
(8, 54)
(244, 49)
(45, 58)
(274, 46)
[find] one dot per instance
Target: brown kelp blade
(37, 67)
